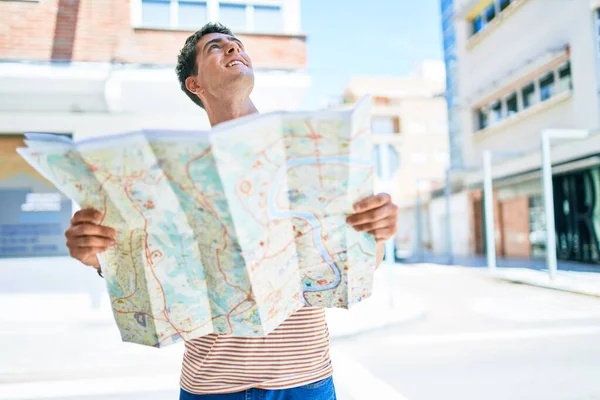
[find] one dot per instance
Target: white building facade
(525, 66)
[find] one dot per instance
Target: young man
(293, 361)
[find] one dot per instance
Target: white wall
(407, 237)
(91, 99)
(524, 133)
(461, 221)
(534, 28)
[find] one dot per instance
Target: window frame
(486, 13)
(498, 7)
(507, 99)
(564, 67)
(247, 18)
(137, 14)
(549, 78)
(483, 118)
(504, 4)
(393, 119)
(513, 99)
(534, 102)
(495, 114)
(474, 30)
(212, 14)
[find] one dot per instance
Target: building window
(490, 12)
(192, 14)
(477, 24)
(268, 19)
(483, 117)
(168, 14)
(496, 112)
(156, 13)
(238, 16)
(385, 125)
(504, 4)
(512, 104)
(547, 86)
(557, 80)
(242, 17)
(386, 160)
(233, 16)
(564, 78)
(528, 96)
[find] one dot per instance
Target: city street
(478, 338)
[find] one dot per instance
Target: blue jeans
(321, 390)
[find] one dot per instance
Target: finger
(372, 202)
(84, 253)
(381, 224)
(383, 234)
(377, 214)
(88, 256)
(88, 215)
(90, 241)
(87, 229)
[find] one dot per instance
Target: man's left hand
(376, 215)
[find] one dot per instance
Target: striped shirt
(294, 354)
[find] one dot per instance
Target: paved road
(482, 339)
(479, 339)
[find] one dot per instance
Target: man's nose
(233, 48)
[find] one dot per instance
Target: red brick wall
(103, 33)
(515, 227)
(27, 29)
(478, 223)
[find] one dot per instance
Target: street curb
(553, 285)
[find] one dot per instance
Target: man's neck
(221, 111)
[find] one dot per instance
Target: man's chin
(244, 75)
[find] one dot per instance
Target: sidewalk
(48, 311)
(85, 341)
(587, 283)
(571, 276)
(480, 261)
(383, 309)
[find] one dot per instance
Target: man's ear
(191, 84)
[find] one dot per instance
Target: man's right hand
(86, 238)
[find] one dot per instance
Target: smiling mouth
(234, 63)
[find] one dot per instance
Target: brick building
(95, 67)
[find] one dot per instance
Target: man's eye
(214, 46)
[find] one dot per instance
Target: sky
(366, 37)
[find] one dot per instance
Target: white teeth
(231, 64)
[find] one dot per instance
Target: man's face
(223, 65)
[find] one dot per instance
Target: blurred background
(486, 122)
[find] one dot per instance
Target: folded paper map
(228, 231)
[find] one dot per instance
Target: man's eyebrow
(234, 39)
(211, 41)
(219, 40)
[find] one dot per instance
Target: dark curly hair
(186, 60)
